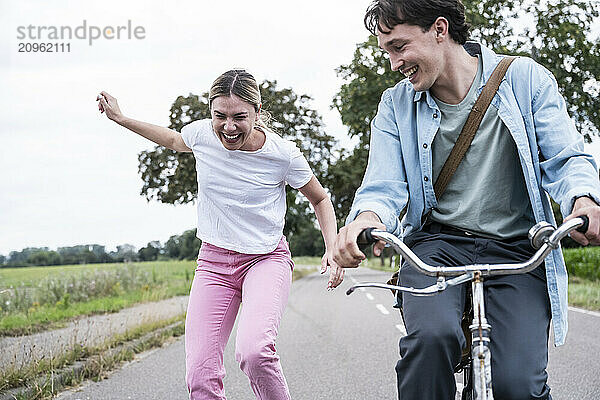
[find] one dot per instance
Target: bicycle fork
(480, 352)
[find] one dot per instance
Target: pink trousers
(223, 280)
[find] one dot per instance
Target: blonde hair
(242, 84)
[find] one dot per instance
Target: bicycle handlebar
(542, 234)
(551, 241)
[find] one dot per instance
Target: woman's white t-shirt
(241, 194)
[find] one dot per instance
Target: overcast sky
(69, 176)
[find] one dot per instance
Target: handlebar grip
(586, 223)
(365, 239)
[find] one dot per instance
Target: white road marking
(381, 308)
(581, 310)
(401, 329)
(369, 296)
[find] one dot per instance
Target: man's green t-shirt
(487, 193)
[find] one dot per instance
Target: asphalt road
(337, 346)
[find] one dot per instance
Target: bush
(583, 262)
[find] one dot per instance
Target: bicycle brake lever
(426, 291)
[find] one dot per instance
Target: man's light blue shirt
(550, 150)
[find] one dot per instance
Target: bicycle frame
(481, 357)
(543, 236)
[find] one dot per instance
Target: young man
(526, 148)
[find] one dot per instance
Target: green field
(316, 261)
(38, 298)
(30, 276)
(170, 270)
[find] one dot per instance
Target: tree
(44, 258)
(184, 246)
(492, 21)
(344, 178)
(83, 254)
(26, 256)
(172, 249)
(306, 241)
(124, 253)
(365, 79)
(189, 245)
(150, 252)
(559, 39)
(170, 177)
(561, 42)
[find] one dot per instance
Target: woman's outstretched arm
(158, 134)
(320, 201)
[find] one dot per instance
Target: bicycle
(477, 366)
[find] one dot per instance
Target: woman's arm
(158, 134)
(321, 203)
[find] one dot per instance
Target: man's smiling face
(413, 52)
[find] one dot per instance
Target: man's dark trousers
(517, 307)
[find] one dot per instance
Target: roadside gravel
(20, 351)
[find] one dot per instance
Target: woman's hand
(336, 273)
(108, 104)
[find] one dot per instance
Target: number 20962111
(26, 47)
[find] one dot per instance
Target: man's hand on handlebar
(346, 252)
(587, 206)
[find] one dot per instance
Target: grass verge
(584, 293)
(56, 316)
(375, 263)
(583, 262)
(30, 303)
(316, 261)
(43, 380)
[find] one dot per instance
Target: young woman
(243, 169)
